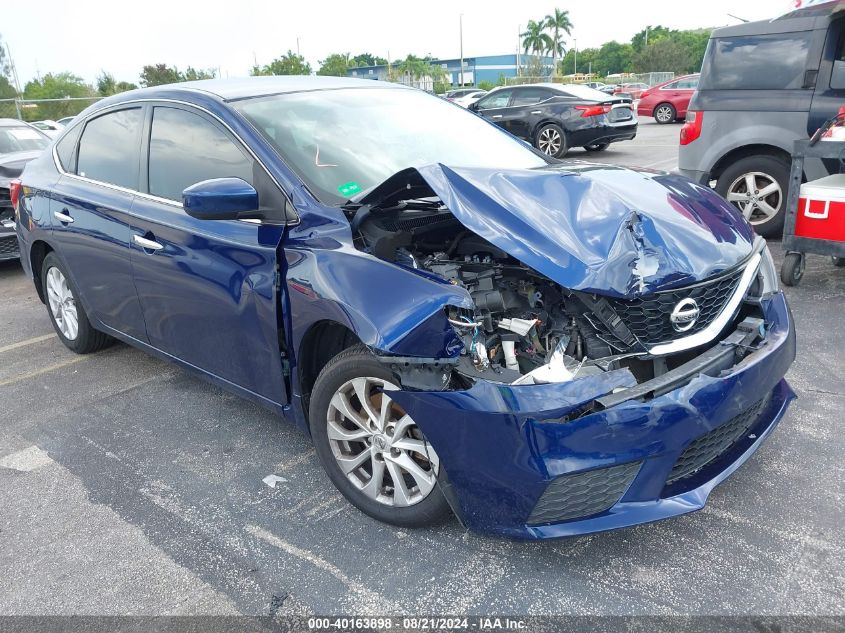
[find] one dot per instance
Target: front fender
(389, 308)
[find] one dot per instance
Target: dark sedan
(555, 117)
(19, 144)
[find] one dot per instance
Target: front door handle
(62, 216)
(149, 245)
(496, 116)
(536, 112)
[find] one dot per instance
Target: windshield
(343, 142)
(21, 139)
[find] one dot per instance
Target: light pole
(461, 34)
(575, 70)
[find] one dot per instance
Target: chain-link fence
(41, 109)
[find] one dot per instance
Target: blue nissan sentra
(461, 323)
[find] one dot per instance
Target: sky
(86, 37)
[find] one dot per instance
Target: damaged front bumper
(548, 461)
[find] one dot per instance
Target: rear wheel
(372, 450)
(551, 139)
(665, 113)
(66, 311)
(757, 186)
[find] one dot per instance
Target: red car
(668, 102)
(635, 90)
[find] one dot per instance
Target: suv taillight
(692, 127)
(15, 192)
(596, 110)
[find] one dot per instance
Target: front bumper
(502, 447)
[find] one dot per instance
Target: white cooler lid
(827, 188)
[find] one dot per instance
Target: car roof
(245, 87)
(798, 21)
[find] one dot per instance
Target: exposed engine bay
(525, 328)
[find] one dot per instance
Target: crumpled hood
(595, 228)
(12, 164)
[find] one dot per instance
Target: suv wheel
(757, 186)
(372, 450)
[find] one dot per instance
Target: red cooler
(821, 209)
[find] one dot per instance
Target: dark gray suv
(764, 85)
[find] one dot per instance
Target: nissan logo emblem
(684, 315)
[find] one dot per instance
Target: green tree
(586, 61)
(123, 86)
(667, 54)
(534, 40)
(59, 86)
(335, 65)
(106, 84)
(194, 74)
(7, 90)
(159, 74)
(366, 59)
(558, 23)
(613, 57)
(288, 64)
(649, 35)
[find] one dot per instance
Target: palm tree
(534, 40)
(559, 23)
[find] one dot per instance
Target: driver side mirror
(474, 106)
(221, 199)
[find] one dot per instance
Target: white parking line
(372, 601)
(38, 372)
(29, 341)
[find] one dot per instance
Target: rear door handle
(144, 243)
(63, 217)
(496, 116)
(536, 112)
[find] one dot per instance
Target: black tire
(358, 362)
(792, 269)
(773, 168)
(87, 340)
(551, 129)
(839, 262)
(597, 147)
(665, 113)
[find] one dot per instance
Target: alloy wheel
(757, 195)
(378, 446)
(62, 304)
(550, 141)
(663, 114)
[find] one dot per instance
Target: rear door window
(529, 96)
(497, 100)
(837, 77)
(186, 148)
(109, 149)
(756, 62)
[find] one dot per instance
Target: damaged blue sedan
(462, 324)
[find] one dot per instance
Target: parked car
(668, 102)
(607, 89)
(632, 90)
(555, 117)
(19, 144)
(763, 86)
(460, 92)
(50, 128)
(548, 349)
(468, 99)
(596, 85)
(65, 120)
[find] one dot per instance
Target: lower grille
(8, 245)
(713, 444)
(583, 494)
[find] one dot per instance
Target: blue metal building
(476, 69)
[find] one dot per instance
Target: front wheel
(551, 140)
(665, 113)
(757, 186)
(371, 449)
(66, 312)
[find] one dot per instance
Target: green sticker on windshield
(349, 188)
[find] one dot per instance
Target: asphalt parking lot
(130, 487)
